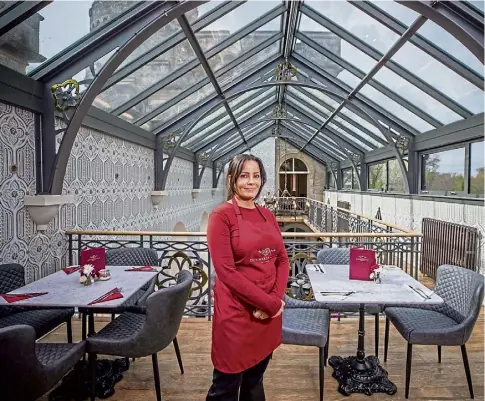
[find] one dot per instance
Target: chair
(127, 257)
(30, 369)
(341, 256)
(447, 324)
(134, 335)
(307, 326)
(12, 277)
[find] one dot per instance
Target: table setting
(364, 282)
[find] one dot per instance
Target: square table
(65, 290)
(331, 284)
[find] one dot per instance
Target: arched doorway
(204, 220)
(294, 177)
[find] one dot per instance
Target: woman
(252, 269)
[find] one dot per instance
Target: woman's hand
(259, 314)
(281, 309)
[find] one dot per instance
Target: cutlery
(330, 293)
(420, 292)
(322, 269)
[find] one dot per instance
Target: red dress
(252, 268)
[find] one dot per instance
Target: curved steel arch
(175, 9)
(384, 132)
(440, 12)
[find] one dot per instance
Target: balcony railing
(189, 250)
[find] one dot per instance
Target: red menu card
(362, 263)
(95, 257)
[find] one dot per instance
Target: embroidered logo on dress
(266, 251)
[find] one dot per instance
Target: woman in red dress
(252, 270)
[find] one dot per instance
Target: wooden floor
(293, 373)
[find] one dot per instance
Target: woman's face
(249, 181)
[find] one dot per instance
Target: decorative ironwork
(279, 112)
(276, 131)
(334, 165)
(169, 142)
(356, 158)
(202, 157)
(402, 142)
(219, 166)
(286, 71)
(66, 95)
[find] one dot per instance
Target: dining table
(394, 287)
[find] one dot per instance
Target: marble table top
(64, 290)
(397, 287)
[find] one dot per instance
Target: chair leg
(156, 376)
(408, 368)
(92, 366)
(376, 342)
(467, 370)
(321, 370)
(83, 326)
(113, 316)
(439, 353)
(328, 339)
(386, 340)
(179, 356)
(69, 330)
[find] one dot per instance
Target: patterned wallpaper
(111, 181)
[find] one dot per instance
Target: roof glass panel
(149, 75)
(478, 4)
(416, 96)
(335, 45)
(245, 96)
(396, 10)
(363, 122)
(451, 45)
(213, 115)
(213, 135)
(243, 45)
(233, 21)
(232, 75)
(48, 32)
(171, 112)
(353, 20)
(441, 77)
(390, 105)
(251, 110)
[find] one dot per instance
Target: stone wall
(111, 181)
(316, 170)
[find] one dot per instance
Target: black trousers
(243, 386)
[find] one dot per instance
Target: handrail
(204, 234)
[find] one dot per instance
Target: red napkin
(142, 269)
(10, 298)
(71, 269)
(109, 296)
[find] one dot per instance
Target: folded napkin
(142, 269)
(10, 298)
(71, 269)
(109, 296)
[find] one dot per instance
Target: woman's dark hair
(235, 169)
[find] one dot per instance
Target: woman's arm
(282, 268)
(219, 241)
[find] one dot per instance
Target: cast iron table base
(354, 376)
(361, 374)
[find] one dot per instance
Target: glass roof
(197, 82)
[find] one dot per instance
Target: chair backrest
(334, 256)
(462, 291)
(12, 276)
(164, 311)
(131, 257)
(22, 373)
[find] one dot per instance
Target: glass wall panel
(476, 169)
(396, 181)
(347, 179)
(377, 176)
(444, 170)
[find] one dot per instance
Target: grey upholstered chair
(135, 335)
(127, 257)
(447, 324)
(12, 277)
(29, 369)
(341, 256)
(307, 326)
